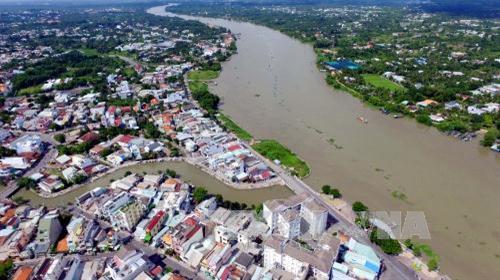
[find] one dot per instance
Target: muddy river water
(273, 89)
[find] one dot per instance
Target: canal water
(187, 172)
(273, 89)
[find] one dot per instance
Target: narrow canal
(187, 173)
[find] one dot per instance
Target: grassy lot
(232, 126)
(381, 82)
(196, 86)
(272, 150)
(30, 90)
(203, 75)
(88, 51)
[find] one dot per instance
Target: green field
(196, 86)
(88, 51)
(381, 82)
(273, 150)
(30, 90)
(203, 75)
(233, 127)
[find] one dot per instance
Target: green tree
(432, 264)
(358, 206)
(408, 243)
(6, 152)
(199, 194)
(424, 119)
(5, 268)
(171, 173)
(417, 251)
(25, 182)
(326, 189)
(61, 138)
(219, 198)
(335, 193)
(489, 137)
(385, 242)
(258, 209)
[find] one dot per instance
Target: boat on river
(362, 119)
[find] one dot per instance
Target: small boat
(363, 120)
(396, 116)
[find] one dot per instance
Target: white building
(278, 254)
(316, 216)
(285, 215)
(127, 265)
(272, 208)
(292, 257)
(70, 173)
(27, 144)
(289, 223)
(56, 268)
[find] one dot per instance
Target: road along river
(273, 89)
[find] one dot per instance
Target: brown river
(273, 89)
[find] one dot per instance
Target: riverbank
(186, 171)
(288, 100)
(192, 161)
(275, 151)
(271, 149)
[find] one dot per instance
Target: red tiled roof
(89, 137)
(23, 273)
(234, 148)
(192, 232)
(154, 221)
(126, 139)
(125, 109)
(266, 174)
(190, 221)
(156, 270)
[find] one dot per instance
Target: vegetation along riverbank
(271, 149)
(375, 55)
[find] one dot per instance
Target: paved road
(85, 258)
(49, 155)
(12, 187)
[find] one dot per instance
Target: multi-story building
(183, 235)
(49, 230)
(285, 254)
(155, 224)
(127, 216)
(111, 206)
(216, 258)
(75, 233)
(272, 208)
(224, 235)
(126, 265)
(288, 255)
(289, 223)
(316, 217)
(284, 216)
